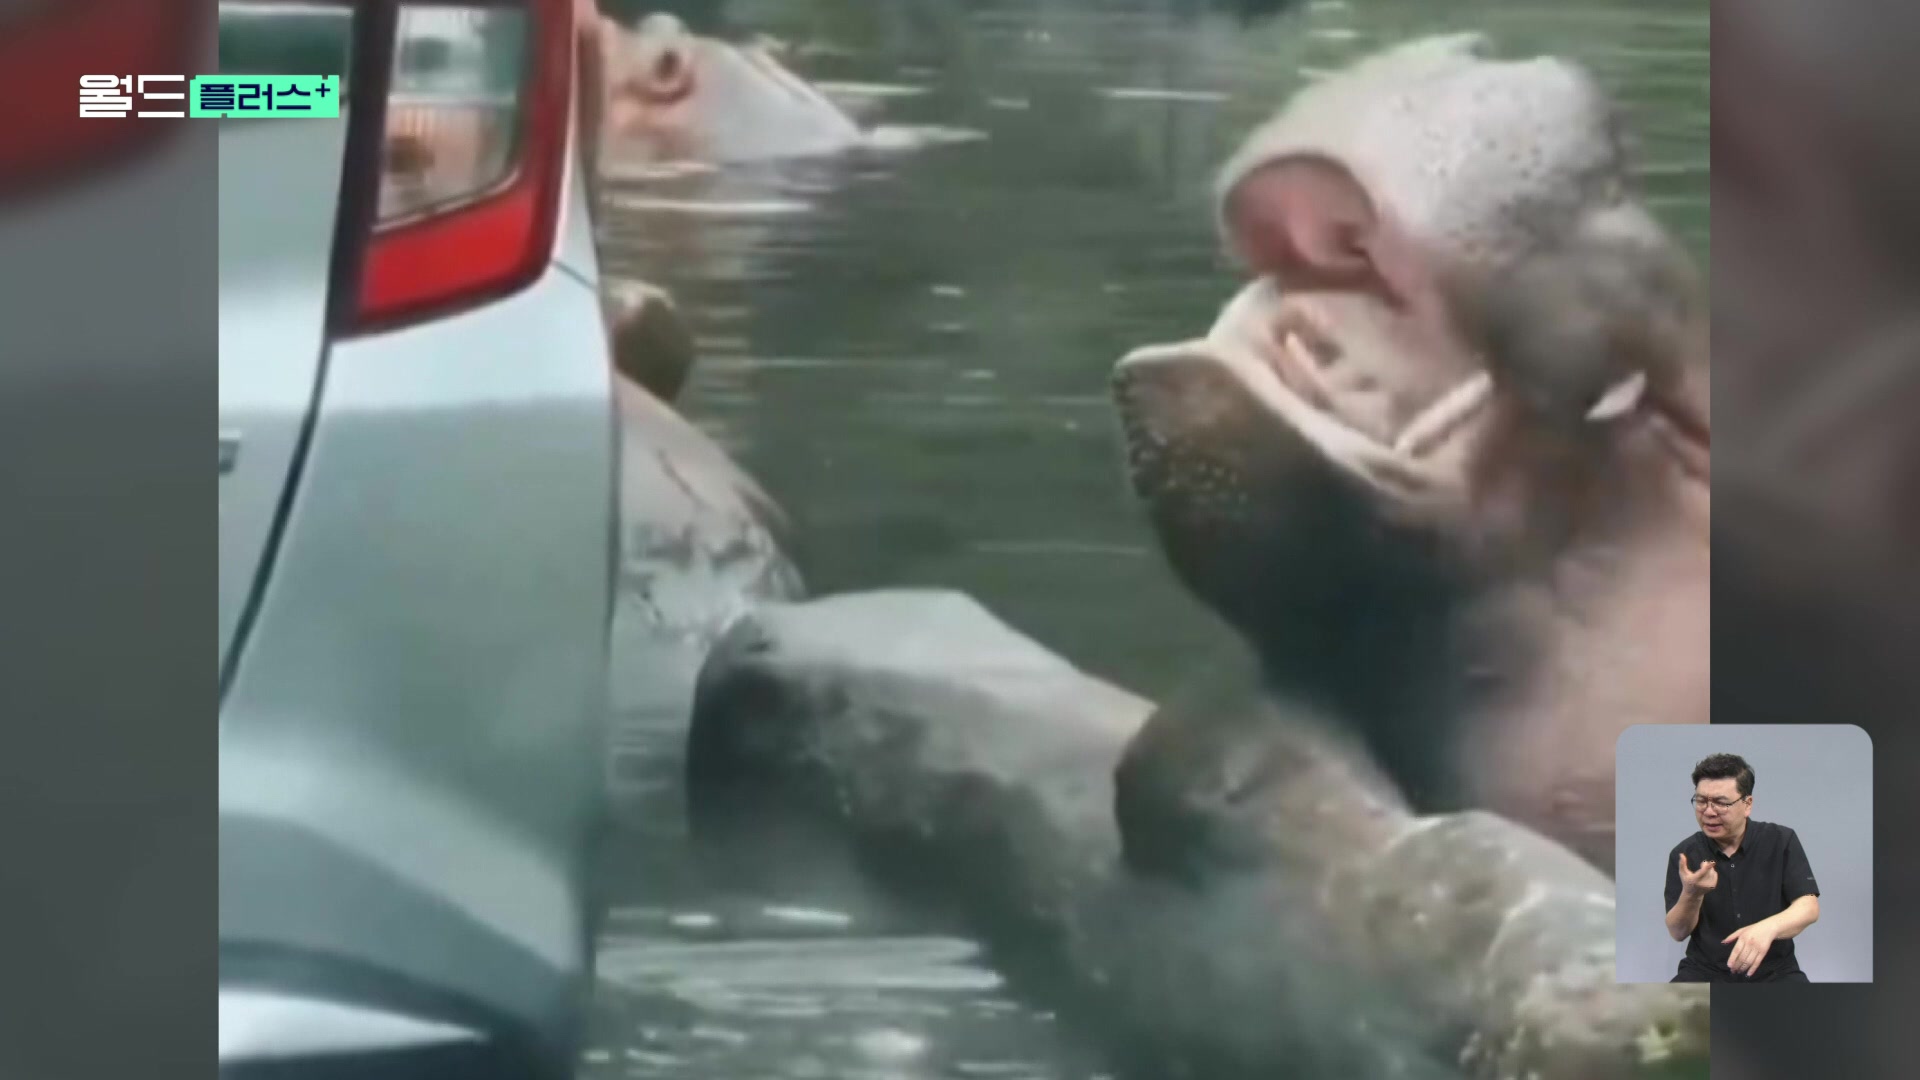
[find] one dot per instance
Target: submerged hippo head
(1450, 424)
(658, 72)
(676, 96)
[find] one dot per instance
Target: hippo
(700, 542)
(910, 739)
(651, 343)
(1443, 462)
(672, 95)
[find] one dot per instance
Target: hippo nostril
(667, 68)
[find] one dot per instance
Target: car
(418, 536)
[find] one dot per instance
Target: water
(910, 350)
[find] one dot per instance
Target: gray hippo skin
(700, 544)
(1444, 462)
(1336, 934)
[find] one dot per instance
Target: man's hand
(1698, 882)
(1751, 945)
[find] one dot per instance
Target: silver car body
(416, 550)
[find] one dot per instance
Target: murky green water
(911, 351)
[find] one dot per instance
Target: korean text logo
(112, 96)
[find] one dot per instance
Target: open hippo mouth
(1277, 388)
(1301, 457)
(1294, 461)
(1309, 370)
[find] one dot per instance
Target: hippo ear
(1308, 222)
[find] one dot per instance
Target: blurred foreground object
(45, 49)
(107, 382)
(1816, 200)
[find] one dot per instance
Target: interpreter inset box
(1743, 854)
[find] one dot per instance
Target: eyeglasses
(1700, 802)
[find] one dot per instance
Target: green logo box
(264, 95)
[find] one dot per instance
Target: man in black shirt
(1739, 890)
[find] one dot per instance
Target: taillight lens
(453, 112)
(473, 156)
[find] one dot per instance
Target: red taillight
(475, 156)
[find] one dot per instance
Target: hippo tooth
(1620, 400)
(1301, 370)
(1366, 459)
(1445, 416)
